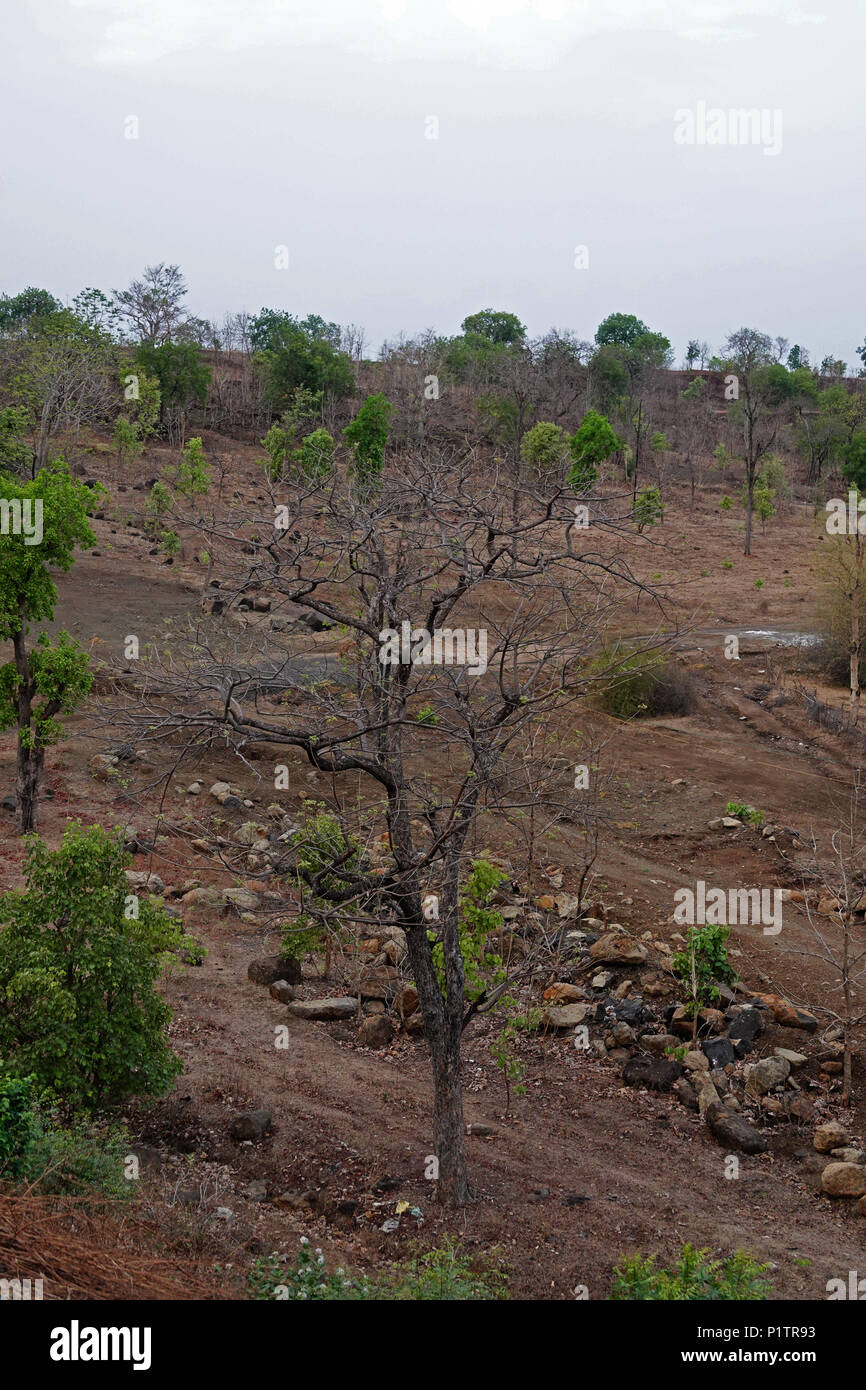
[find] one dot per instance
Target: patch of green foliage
(693, 1278)
(702, 965)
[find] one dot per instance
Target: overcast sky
(305, 124)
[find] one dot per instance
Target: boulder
(253, 1125)
(653, 1073)
(844, 1180)
(376, 1031)
(719, 1052)
(324, 1010)
(734, 1132)
(828, 1136)
(767, 1074)
(142, 882)
(267, 970)
(564, 1016)
(613, 949)
(241, 899)
(787, 1015)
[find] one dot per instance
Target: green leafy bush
(693, 1278)
(702, 965)
(544, 447)
(629, 685)
(648, 509)
(442, 1275)
(78, 974)
(50, 1155)
(318, 843)
(743, 811)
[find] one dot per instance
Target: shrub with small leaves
(693, 1278)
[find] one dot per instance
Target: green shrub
(743, 811)
(641, 683)
(442, 1275)
(78, 974)
(50, 1156)
(544, 447)
(693, 1278)
(702, 965)
(318, 843)
(314, 457)
(648, 509)
(18, 1122)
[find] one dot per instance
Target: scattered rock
(564, 1016)
(376, 1031)
(848, 1155)
(734, 1132)
(844, 1180)
(653, 1073)
(254, 1125)
(613, 949)
(266, 970)
(767, 1074)
(282, 991)
(718, 1051)
(325, 1010)
(828, 1136)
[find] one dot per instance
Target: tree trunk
(449, 1129)
(27, 786)
(444, 1036)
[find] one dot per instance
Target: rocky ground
(304, 1107)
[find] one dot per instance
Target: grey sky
(302, 123)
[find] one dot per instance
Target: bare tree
(432, 558)
(153, 306)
